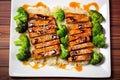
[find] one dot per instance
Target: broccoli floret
(64, 52)
(21, 20)
(99, 40)
(97, 29)
(96, 16)
(23, 54)
(59, 15)
(62, 30)
(64, 40)
(24, 51)
(96, 58)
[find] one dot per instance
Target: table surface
(5, 8)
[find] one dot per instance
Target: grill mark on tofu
(46, 49)
(40, 17)
(44, 38)
(76, 36)
(77, 31)
(47, 54)
(49, 43)
(42, 32)
(44, 27)
(80, 25)
(82, 51)
(80, 40)
(34, 23)
(79, 58)
(81, 46)
(75, 18)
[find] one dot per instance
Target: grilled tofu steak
(80, 29)
(42, 32)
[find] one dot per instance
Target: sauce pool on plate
(87, 7)
(39, 4)
(35, 66)
(78, 68)
(62, 66)
(74, 4)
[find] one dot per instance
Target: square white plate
(17, 69)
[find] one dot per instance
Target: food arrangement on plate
(60, 36)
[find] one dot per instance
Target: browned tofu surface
(47, 54)
(80, 25)
(44, 38)
(44, 27)
(46, 49)
(48, 43)
(77, 31)
(75, 18)
(80, 40)
(41, 33)
(34, 22)
(82, 51)
(81, 46)
(79, 58)
(71, 32)
(77, 36)
(40, 17)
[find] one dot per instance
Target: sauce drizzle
(74, 4)
(87, 7)
(25, 6)
(78, 68)
(62, 66)
(35, 66)
(39, 4)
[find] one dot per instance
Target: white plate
(17, 69)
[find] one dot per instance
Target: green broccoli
(21, 20)
(97, 29)
(59, 15)
(24, 51)
(96, 16)
(64, 40)
(96, 58)
(99, 40)
(64, 52)
(23, 55)
(62, 30)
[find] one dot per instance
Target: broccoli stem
(18, 43)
